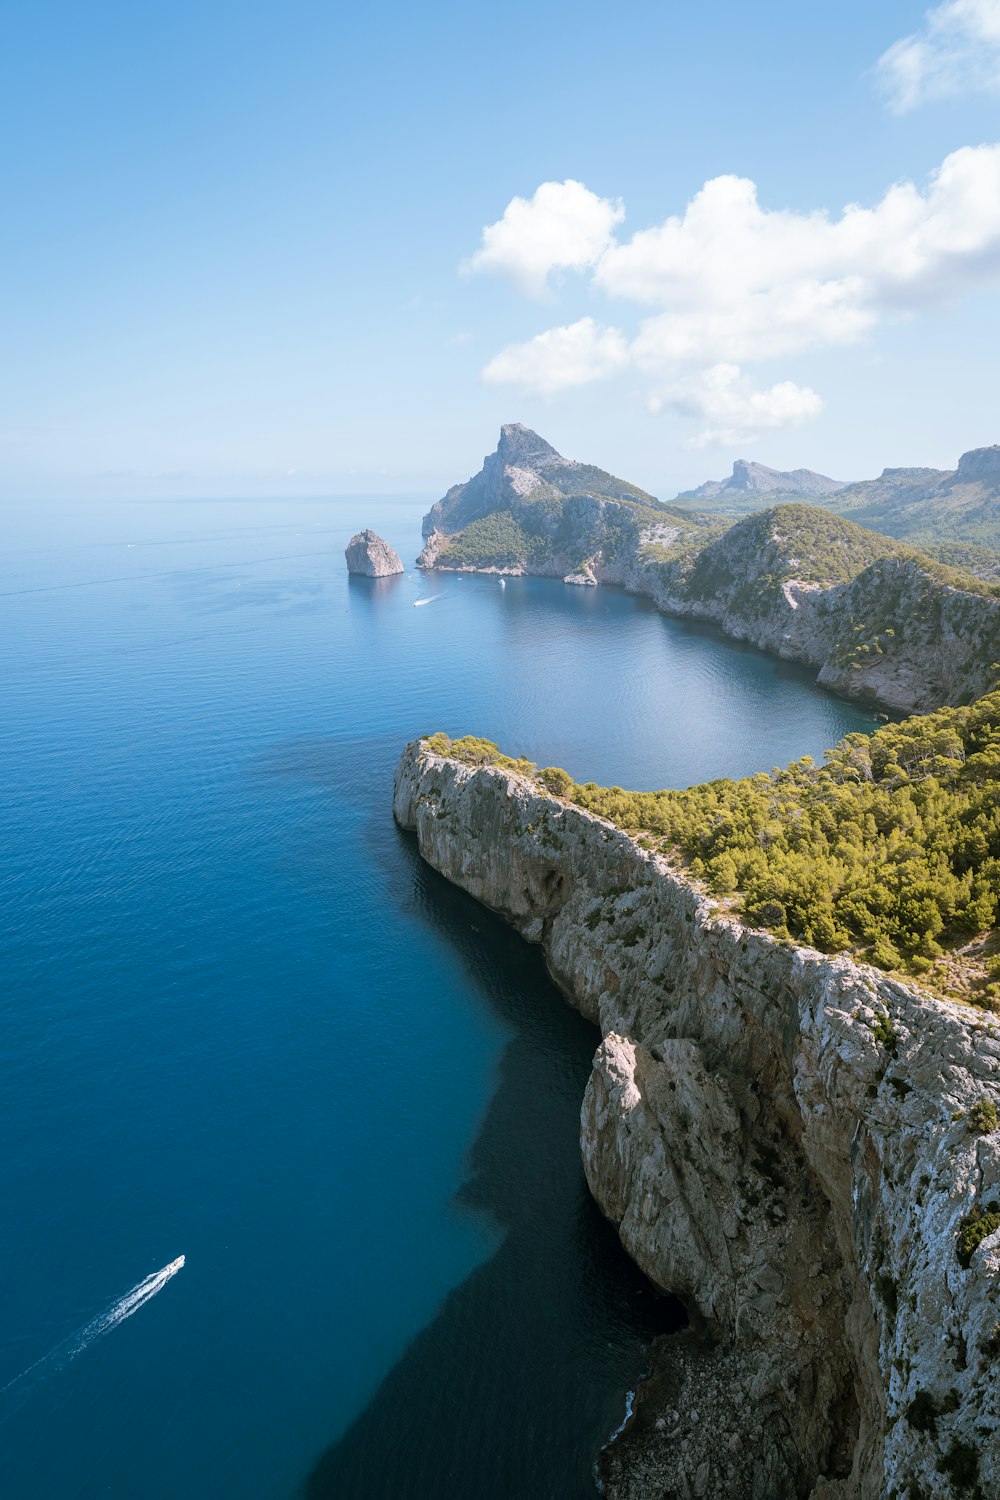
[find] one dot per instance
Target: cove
(243, 1023)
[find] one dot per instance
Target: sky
(311, 249)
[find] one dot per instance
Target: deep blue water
(242, 1022)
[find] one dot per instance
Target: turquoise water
(243, 1023)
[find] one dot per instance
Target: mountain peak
(748, 476)
(978, 465)
(520, 446)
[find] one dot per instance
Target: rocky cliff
(370, 556)
(530, 510)
(801, 1147)
(876, 619)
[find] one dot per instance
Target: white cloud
(560, 358)
(732, 409)
(956, 52)
(731, 282)
(563, 227)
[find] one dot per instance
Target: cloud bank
(956, 52)
(729, 283)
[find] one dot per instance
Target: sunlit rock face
(785, 1140)
(371, 557)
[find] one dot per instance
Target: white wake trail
(70, 1347)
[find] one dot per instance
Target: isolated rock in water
(370, 556)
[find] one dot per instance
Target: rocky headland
(876, 618)
(800, 1146)
(369, 556)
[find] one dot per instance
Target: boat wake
(69, 1348)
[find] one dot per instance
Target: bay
(242, 1022)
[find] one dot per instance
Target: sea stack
(370, 556)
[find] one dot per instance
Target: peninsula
(801, 1145)
(877, 618)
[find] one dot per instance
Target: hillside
(931, 505)
(877, 618)
(927, 507)
(750, 483)
(530, 510)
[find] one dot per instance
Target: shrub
(556, 780)
(983, 1117)
(974, 1229)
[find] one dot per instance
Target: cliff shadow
(522, 1375)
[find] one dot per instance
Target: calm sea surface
(241, 1022)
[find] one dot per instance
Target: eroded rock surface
(370, 556)
(783, 1139)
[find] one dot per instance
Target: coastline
(912, 671)
(809, 1217)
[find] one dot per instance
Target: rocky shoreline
(877, 620)
(785, 1140)
(929, 654)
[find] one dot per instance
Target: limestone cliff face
(896, 633)
(783, 1139)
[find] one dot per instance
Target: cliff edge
(800, 1146)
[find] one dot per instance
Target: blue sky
(235, 238)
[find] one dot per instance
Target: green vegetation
(496, 541)
(967, 557)
(587, 479)
(788, 541)
(974, 1229)
(891, 850)
(983, 1117)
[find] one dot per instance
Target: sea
(243, 1023)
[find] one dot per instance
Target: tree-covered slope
(890, 850)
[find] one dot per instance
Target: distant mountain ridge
(939, 505)
(919, 505)
(750, 478)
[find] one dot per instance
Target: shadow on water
(522, 1375)
(374, 588)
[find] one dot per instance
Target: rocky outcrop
(793, 1143)
(371, 557)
